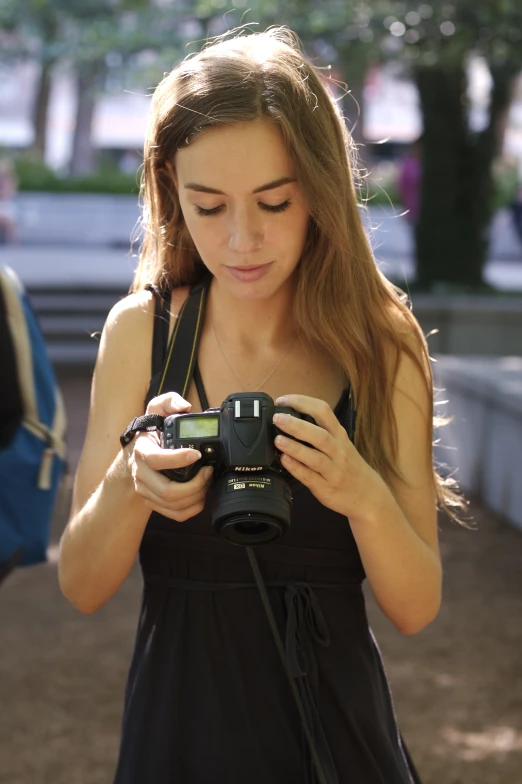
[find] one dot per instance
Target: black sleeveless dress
(207, 699)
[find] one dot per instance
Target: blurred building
(119, 122)
(391, 113)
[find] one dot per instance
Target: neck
(252, 325)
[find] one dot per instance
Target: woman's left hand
(333, 470)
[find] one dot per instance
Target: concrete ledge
(483, 443)
(471, 325)
(90, 219)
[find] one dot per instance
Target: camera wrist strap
(142, 424)
(178, 371)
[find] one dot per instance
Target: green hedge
(33, 175)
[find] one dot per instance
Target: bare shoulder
(129, 326)
(407, 357)
(127, 336)
(130, 312)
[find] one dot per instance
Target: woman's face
(243, 207)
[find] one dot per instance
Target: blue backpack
(32, 455)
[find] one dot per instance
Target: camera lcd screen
(199, 427)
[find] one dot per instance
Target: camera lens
(250, 509)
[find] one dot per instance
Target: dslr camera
(251, 493)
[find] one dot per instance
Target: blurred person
(249, 196)
(409, 182)
(8, 189)
(515, 205)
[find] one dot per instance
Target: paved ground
(456, 684)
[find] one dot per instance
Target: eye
(202, 212)
(276, 208)
(267, 207)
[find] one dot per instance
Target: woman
(247, 183)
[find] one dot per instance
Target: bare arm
(115, 490)
(394, 523)
(397, 534)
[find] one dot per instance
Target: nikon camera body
(251, 491)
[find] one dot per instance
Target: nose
(246, 234)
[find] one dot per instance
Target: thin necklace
(287, 349)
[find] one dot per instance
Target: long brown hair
(343, 303)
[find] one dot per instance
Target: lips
(249, 273)
(248, 268)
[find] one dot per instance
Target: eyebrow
(193, 186)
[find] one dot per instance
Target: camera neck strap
(182, 349)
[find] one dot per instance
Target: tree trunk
(82, 156)
(353, 71)
(449, 248)
(41, 110)
(452, 235)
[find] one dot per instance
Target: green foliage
(33, 175)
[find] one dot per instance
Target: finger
(150, 452)
(302, 473)
(149, 460)
(315, 435)
(317, 461)
(318, 409)
(166, 488)
(168, 403)
(181, 492)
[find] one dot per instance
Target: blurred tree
(97, 30)
(98, 39)
(31, 30)
(47, 32)
(80, 34)
(457, 197)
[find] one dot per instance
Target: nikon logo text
(248, 468)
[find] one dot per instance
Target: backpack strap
(13, 292)
(53, 433)
(182, 350)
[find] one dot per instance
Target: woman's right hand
(177, 500)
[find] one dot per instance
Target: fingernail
(193, 456)
(280, 401)
(207, 473)
(280, 419)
